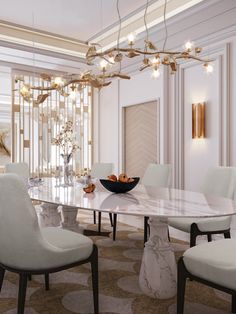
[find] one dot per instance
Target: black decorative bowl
(119, 187)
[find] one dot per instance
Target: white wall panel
(5, 94)
(233, 102)
(108, 125)
(200, 154)
(140, 88)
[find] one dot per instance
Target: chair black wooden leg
(94, 269)
(94, 217)
(209, 238)
(168, 234)
(145, 229)
(99, 221)
(29, 277)
(111, 221)
(2, 273)
(46, 278)
(227, 235)
(193, 234)
(192, 240)
(181, 282)
(114, 226)
(233, 304)
(22, 293)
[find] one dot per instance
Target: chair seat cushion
(204, 224)
(76, 246)
(213, 261)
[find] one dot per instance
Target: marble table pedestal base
(158, 274)
(69, 217)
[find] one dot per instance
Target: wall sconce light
(198, 120)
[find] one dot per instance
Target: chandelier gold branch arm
(107, 53)
(97, 81)
(178, 54)
(55, 86)
(88, 80)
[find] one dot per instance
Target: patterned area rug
(119, 264)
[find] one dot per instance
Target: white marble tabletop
(141, 201)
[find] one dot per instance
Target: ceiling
(77, 19)
(64, 29)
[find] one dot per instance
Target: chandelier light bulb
(189, 45)
(24, 90)
(58, 81)
(156, 73)
(112, 60)
(72, 95)
(103, 65)
(155, 61)
(209, 68)
(131, 38)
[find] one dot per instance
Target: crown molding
(37, 40)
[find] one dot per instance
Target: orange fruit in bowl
(123, 178)
(112, 177)
(89, 188)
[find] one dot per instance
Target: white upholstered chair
(213, 264)
(19, 168)
(101, 171)
(159, 176)
(155, 175)
(28, 249)
(219, 181)
(22, 170)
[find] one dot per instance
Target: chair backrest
(19, 230)
(220, 181)
(101, 170)
(157, 175)
(19, 168)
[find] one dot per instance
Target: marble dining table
(158, 272)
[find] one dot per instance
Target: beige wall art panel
(141, 137)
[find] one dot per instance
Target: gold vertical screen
(35, 125)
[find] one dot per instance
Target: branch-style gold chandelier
(75, 83)
(152, 56)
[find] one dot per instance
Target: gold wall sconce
(198, 120)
